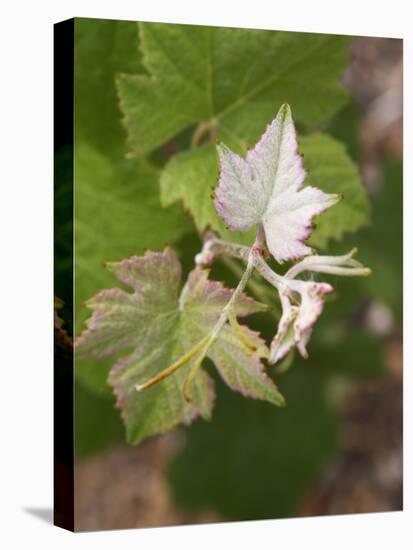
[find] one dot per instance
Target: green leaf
(102, 49)
(331, 169)
(191, 177)
(160, 327)
(117, 213)
(256, 461)
(233, 78)
(349, 352)
(382, 241)
(292, 446)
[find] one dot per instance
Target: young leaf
(229, 77)
(266, 188)
(297, 322)
(159, 327)
(191, 175)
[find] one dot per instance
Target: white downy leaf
(266, 188)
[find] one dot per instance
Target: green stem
(174, 367)
(228, 309)
(344, 265)
(260, 291)
(237, 328)
(204, 127)
(203, 345)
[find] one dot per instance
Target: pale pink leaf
(266, 188)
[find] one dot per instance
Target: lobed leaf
(117, 213)
(157, 326)
(266, 188)
(229, 77)
(241, 372)
(102, 49)
(330, 168)
(190, 177)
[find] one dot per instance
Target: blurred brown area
(137, 495)
(375, 78)
(366, 475)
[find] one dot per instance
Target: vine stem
(260, 292)
(213, 335)
(253, 256)
(174, 367)
(216, 247)
(204, 127)
(344, 265)
(202, 347)
(228, 312)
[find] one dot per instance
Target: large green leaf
(103, 48)
(160, 326)
(117, 213)
(233, 78)
(191, 176)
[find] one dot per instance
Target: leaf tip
(108, 265)
(285, 110)
(222, 148)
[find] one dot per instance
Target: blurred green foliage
(230, 83)
(102, 49)
(382, 242)
(252, 460)
(97, 422)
